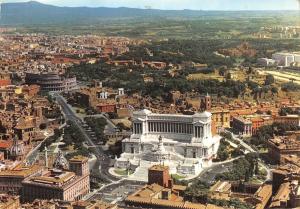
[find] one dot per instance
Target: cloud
(181, 4)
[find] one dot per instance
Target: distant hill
(32, 12)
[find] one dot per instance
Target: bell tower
(205, 103)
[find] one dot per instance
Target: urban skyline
(127, 104)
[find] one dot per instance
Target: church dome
(17, 148)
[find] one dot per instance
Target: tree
(237, 152)
(269, 80)
(274, 90)
(256, 170)
(259, 112)
(226, 135)
(50, 98)
(57, 132)
(112, 115)
(290, 86)
(197, 192)
(247, 176)
(121, 126)
(222, 153)
(286, 110)
(43, 126)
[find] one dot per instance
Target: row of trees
(73, 137)
(243, 168)
(132, 81)
(267, 132)
(97, 125)
(288, 111)
(179, 51)
(290, 86)
(224, 151)
(198, 192)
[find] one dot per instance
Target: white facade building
(183, 142)
(286, 59)
(266, 62)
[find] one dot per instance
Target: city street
(98, 151)
(250, 149)
(117, 191)
(208, 175)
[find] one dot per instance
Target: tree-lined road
(98, 151)
(250, 149)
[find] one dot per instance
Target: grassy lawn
(79, 111)
(260, 178)
(255, 180)
(201, 76)
(122, 172)
(177, 177)
(263, 150)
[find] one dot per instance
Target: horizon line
(120, 7)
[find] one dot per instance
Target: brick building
(286, 187)
(106, 108)
(5, 79)
(154, 195)
(288, 119)
(159, 174)
(11, 180)
(242, 126)
(31, 90)
(281, 147)
(221, 118)
(59, 204)
(256, 195)
(67, 185)
(256, 124)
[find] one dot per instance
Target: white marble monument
(183, 142)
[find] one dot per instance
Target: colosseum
(52, 82)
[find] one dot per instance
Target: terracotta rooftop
(94, 204)
(292, 159)
(21, 171)
(25, 123)
(287, 169)
(281, 195)
(285, 142)
(79, 159)
(159, 168)
(149, 194)
(263, 194)
(5, 144)
(179, 187)
(54, 177)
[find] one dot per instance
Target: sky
(180, 4)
